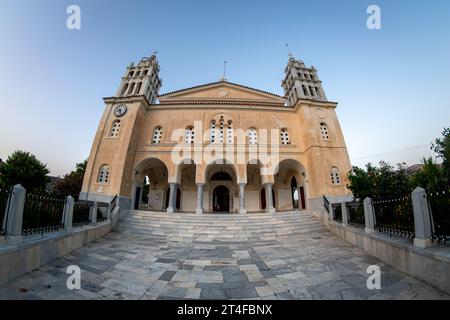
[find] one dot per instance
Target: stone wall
(18, 259)
(431, 265)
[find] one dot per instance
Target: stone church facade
(219, 147)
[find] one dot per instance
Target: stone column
(94, 214)
(15, 215)
(423, 225)
(68, 213)
(172, 198)
(242, 209)
(200, 198)
(369, 216)
(269, 202)
(344, 214)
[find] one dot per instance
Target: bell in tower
(141, 79)
(301, 82)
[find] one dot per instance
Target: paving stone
(167, 276)
(206, 262)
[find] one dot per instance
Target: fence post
(344, 214)
(368, 216)
(15, 215)
(68, 213)
(94, 214)
(422, 220)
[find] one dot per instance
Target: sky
(391, 84)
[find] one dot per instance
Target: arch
(221, 199)
(290, 179)
(221, 176)
(157, 173)
(223, 164)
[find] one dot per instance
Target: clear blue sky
(392, 85)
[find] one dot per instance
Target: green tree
(430, 177)
(71, 183)
(442, 147)
(382, 182)
(24, 168)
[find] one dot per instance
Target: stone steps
(216, 227)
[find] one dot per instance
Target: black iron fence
(81, 213)
(5, 195)
(337, 212)
(439, 207)
(355, 211)
(395, 216)
(42, 214)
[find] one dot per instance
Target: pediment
(221, 91)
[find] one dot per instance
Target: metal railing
(439, 207)
(337, 212)
(42, 214)
(5, 195)
(113, 203)
(81, 213)
(326, 204)
(395, 216)
(355, 211)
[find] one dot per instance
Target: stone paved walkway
(121, 266)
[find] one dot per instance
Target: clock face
(120, 110)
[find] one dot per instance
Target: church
(219, 147)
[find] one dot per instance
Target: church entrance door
(221, 199)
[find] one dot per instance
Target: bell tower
(141, 79)
(301, 82)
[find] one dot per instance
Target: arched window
(103, 174)
(124, 90)
(335, 178)
(324, 131)
(221, 131)
(230, 134)
(212, 137)
(252, 136)
(284, 135)
(157, 135)
(131, 88)
(115, 129)
(138, 88)
(189, 135)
